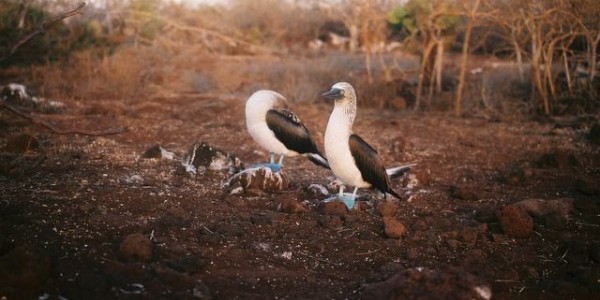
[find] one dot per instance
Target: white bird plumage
(351, 159)
(278, 130)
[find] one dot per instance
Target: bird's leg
(281, 160)
(348, 199)
(271, 164)
(275, 167)
(272, 158)
(339, 197)
(354, 193)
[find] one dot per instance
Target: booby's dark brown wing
(290, 131)
(370, 166)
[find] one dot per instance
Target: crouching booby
(278, 130)
(351, 159)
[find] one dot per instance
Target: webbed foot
(273, 166)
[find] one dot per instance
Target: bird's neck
(341, 120)
(347, 112)
(255, 114)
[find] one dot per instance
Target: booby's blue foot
(347, 198)
(273, 166)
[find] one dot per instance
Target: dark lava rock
(317, 191)
(291, 206)
(515, 221)
(229, 228)
(86, 207)
(201, 291)
(367, 235)
(469, 235)
(90, 281)
(171, 277)
(595, 251)
(531, 273)
(333, 208)
(204, 156)
(387, 209)
(331, 222)
(175, 216)
(393, 228)
(353, 219)
(24, 269)
(261, 219)
(574, 251)
(190, 264)
(586, 278)
(420, 225)
(586, 186)
(208, 236)
(542, 207)
(557, 159)
(515, 174)
(4, 244)
(464, 192)
(475, 257)
(423, 283)
(21, 144)
(453, 244)
(157, 151)
(136, 247)
(594, 135)
(587, 205)
(412, 254)
(554, 221)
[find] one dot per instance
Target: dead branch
(205, 31)
(471, 14)
(41, 28)
(52, 128)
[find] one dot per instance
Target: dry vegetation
(124, 49)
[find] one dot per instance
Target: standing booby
(351, 159)
(278, 130)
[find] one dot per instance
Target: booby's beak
(333, 94)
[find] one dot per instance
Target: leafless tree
(471, 12)
(432, 56)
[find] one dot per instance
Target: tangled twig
(42, 27)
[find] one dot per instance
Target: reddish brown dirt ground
(87, 218)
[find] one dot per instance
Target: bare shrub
(156, 48)
(543, 34)
(274, 22)
(123, 74)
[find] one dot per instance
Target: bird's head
(261, 101)
(342, 92)
(344, 100)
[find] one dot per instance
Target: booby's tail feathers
(393, 193)
(398, 171)
(318, 160)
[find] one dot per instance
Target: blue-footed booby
(352, 160)
(278, 130)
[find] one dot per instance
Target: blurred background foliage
(127, 48)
